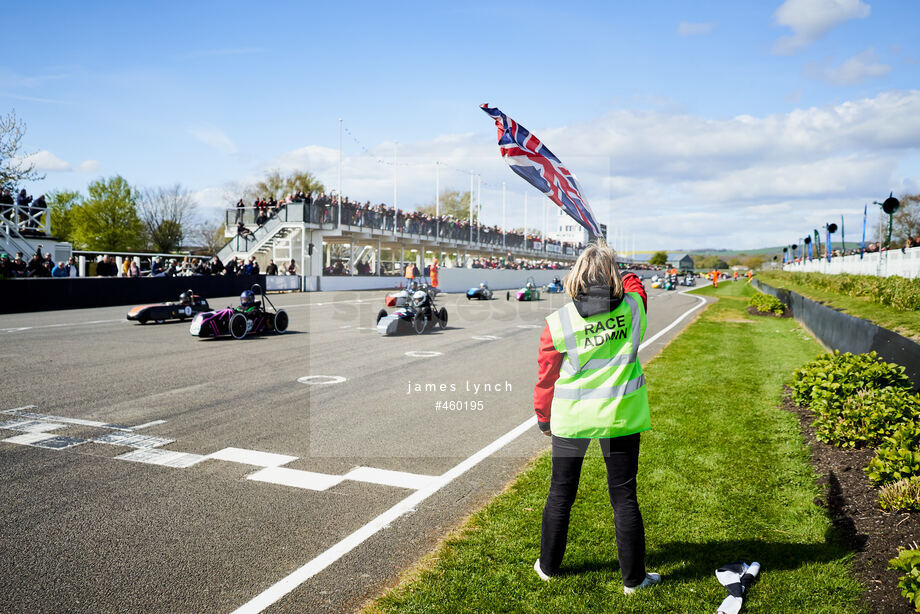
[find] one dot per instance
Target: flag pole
(503, 216)
(525, 219)
(478, 208)
(340, 172)
(471, 207)
(437, 199)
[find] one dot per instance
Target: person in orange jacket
(715, 279)
(434, 273)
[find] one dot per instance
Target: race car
(398, 299)
(418, 314)
(529, 292)
(483, 293)
(553, 288)
(188, 305)
(250, 318)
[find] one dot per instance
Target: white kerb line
(297, 577)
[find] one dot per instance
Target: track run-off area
(145, 470)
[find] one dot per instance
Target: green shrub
(901, 496)
(766, 303)
(865, 418)
(908, 562)
(895, 291)
(832, 378)
(898, 456)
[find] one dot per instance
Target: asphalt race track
(151, 471)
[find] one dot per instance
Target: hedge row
(895, 291)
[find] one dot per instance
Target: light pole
(890, 205)
(831, 229)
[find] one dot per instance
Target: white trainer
(543, 576)
(651, 579)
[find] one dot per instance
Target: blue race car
(482, 293)
(553, 288)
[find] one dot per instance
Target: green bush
(865, 418)
(898, 456)
(895, 291)
(767, 303)
(832, 378)
(901, 496)
(908, 562)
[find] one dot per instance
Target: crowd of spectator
(39, 265)
(324, 209)
(22, 211)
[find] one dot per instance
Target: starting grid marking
(35, 432)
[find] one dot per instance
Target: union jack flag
(535, 163)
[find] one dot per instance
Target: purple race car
(250, 318)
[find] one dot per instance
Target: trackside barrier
(891, 262)
(449, 280)
(840, 331)
(22, 295)
(282, 283)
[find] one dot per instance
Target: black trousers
(621, 455)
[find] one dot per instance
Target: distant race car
(553, 288)
(188, 305)
(529, 292)
(417, 314)
(250, 318)
(482, 293)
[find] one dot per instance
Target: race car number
(188, 310)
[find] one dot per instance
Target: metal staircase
(11, 239)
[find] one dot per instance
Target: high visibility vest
(601, 388)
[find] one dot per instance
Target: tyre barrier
(841, 331)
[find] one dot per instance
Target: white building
(566, 230)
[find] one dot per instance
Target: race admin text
(601, 332)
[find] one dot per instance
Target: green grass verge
(723, 475)
(906, 323)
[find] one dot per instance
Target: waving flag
(535, 163)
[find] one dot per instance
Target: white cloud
(46, 162)
(213, 137)
(671, 180)
(812, 19)
(88, 166)
(687, 28)
(853, 71)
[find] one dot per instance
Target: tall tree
(210, 235)
(658, 258)
(15, 166)
(167, 215)
(906, 222)
(107, 220)
(61, 204)
(278, 186)
(455, 203)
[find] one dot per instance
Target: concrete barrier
(84, 292)
(449, 280)
(841, 331)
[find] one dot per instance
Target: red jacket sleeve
(632, 283)
(548, 363)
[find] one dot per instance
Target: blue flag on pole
(862, 250)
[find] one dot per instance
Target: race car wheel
(160, 321)
(281, 321)
(238, 325)
(507, 296)
(380, 315)
(468, 297)
(420, 323)
(442, 318)
(487, 296)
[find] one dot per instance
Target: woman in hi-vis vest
(590, 386)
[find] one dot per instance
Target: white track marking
(21, 412)
(702, 302)
(251, 457)
(30, 426)
(166, 458)
(287, 584)
(316, 380)
(529, 326)
(296, 478)
(422, 354)
(132, 441)
(28, 438)
(486, 338)
(385, 477)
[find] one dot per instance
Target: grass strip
(724, 474)
(903, 322)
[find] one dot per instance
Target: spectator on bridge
(19, 265)
(60, 270)
(22, 205)
(6, 266)
(232, 266)
(6, 198)
(292, 268)
(156, 267)
(36, 266)
(240, 208)
(172, 268)
(215, 267)
(39, 206)
(242, 231)
(72, 269)
(272, 268)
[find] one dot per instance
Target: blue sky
(689, 124)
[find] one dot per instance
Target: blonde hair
(596, 266)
